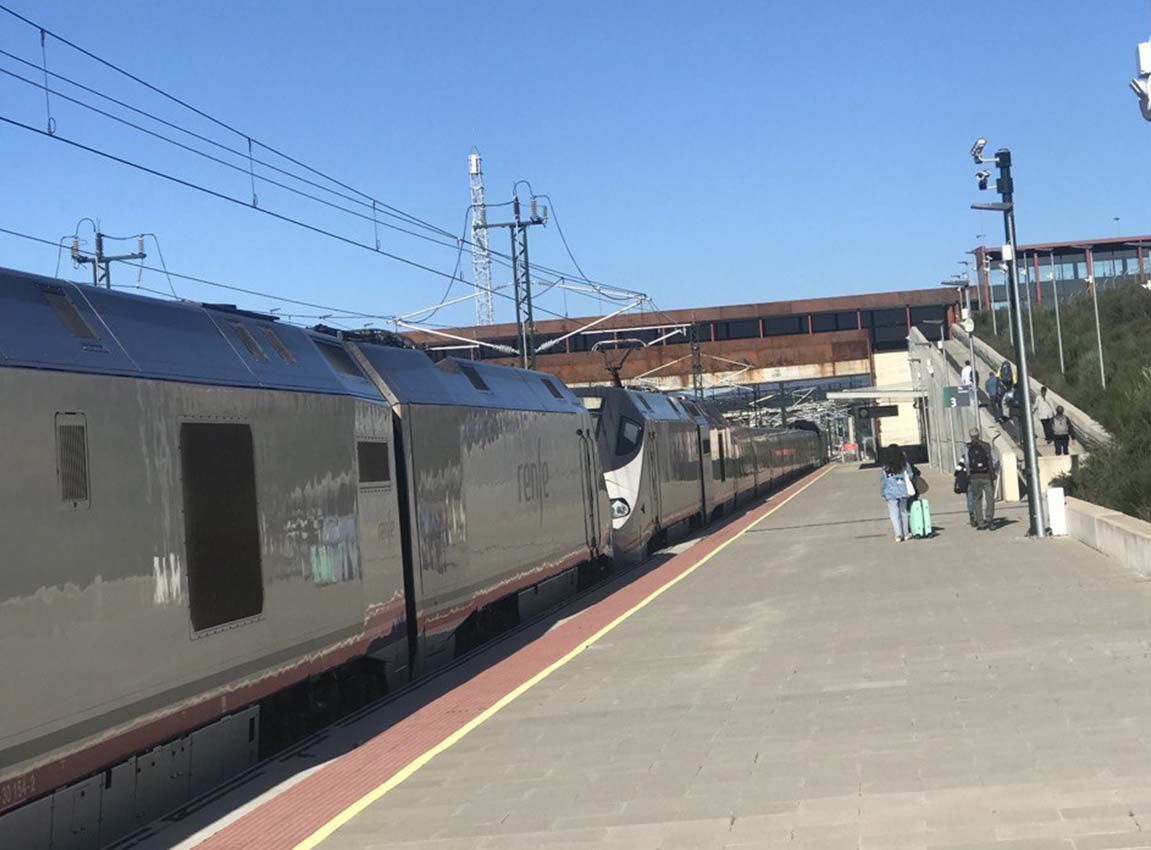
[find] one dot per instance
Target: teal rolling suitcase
(921, 518)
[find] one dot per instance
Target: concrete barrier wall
(1124, 538)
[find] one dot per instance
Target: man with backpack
(982, 466)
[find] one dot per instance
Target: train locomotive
(674, 464)
(221, 530)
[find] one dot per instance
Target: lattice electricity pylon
(481, 257)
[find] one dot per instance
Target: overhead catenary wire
(601, 290)
(620, 294)
(45, 32)
(611, 293)
(233, 288)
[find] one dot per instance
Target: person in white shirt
(1045, 412)
(967, 375)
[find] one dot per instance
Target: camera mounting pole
(1006, 189)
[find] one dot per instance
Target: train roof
(54, 324)
(413, 378)
(647, 405)
(46, 323)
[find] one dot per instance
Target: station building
(1066, 267)
(835, 343)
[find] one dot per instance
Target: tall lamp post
(1006, 190)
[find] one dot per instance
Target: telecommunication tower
(481, 258)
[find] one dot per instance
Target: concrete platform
(813, 684)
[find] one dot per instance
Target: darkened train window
(221, 523)
(472, 375)
(278, 344)
(72, 459)
(707, 446)
(629, 435)
(374, 463)
(339, 359)
(722, 458)
(67, 312)
(552, 388)
(249, 341)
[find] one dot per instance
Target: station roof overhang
(877, 394)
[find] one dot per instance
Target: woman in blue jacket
(895, 487)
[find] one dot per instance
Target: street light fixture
(1005, 187)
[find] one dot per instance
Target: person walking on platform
(982, 466)
(1044, 412)
(1061, 431)
(967, 375)
(895, 487)
(992, 388)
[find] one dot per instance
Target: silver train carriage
(671, 464)
(205, 511)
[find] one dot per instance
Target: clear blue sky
(704, 153)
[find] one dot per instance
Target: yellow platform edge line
(317, 837)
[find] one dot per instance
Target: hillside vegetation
(1118, 477)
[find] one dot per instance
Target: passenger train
(221, 530)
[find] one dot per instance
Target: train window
(374, 462)
(707, 446)
(472, 375)
(72, 459)
(221, 523)
(249, 341)
(278, 346)
(722, 458)
(630, 433)
(552, 388)
(67, 312)
(339, 359)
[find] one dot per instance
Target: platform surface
(814, 684)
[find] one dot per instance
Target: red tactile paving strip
(292, 816)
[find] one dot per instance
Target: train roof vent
(472, 375)
(278, 346)
(643, 401)
(66, 310)
(249, 341)
(552, 388)
(232, 308)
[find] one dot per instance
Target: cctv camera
(977, 150)
(1142, 88)
(982, 177)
